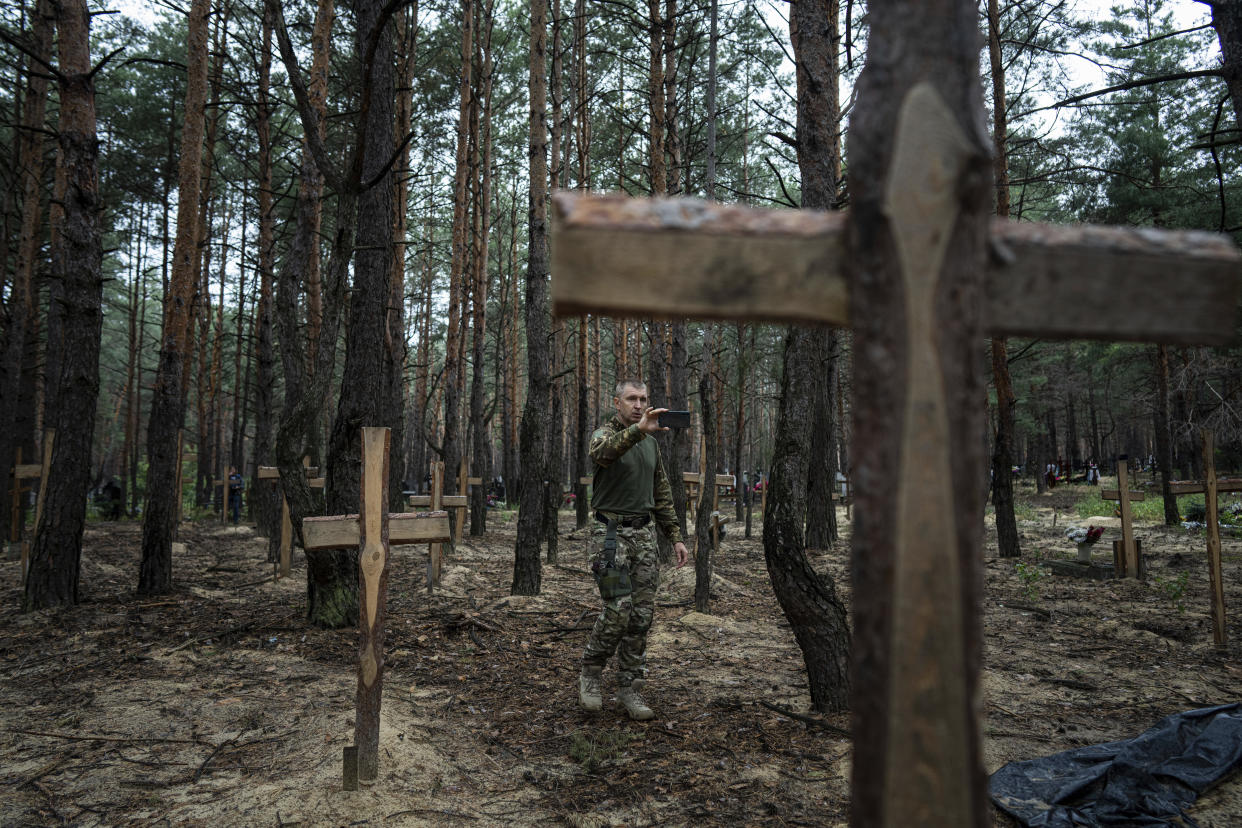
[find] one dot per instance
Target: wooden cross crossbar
(342, 531)
(915, 260)
(704, 260)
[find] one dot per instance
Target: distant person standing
(236, 484)
(630, 488)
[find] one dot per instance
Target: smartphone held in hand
(675, 419)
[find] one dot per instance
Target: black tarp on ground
(1145, 781)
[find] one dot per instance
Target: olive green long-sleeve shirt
(630, 477)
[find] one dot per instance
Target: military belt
(636, 522)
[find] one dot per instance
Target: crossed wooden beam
(373, 530)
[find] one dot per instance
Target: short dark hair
(627, 381)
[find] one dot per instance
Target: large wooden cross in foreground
(372, 531)
(921, 276)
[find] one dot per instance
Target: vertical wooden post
(435, 551)
(373, 580)
(49, 438)
(1212, 519)
(15, 529)
(286, 537)
(1129, 552)
(177, 492)
(461, 490)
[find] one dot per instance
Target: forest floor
(217, 705)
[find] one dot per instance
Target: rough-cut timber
(731, 262)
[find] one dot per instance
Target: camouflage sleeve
(607, 444)
(665, 514)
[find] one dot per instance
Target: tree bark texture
(1164, 443)
(657, 393)
(168, 398)
(480, 448)
(452, 444)
(57, 550)
(809, 602)
(813, 34)
(368, 360)
(265, 504)
(917, 757)
(704, 519)
(1227, 21)
(527, 572)
(1002, 454)
(22, 304)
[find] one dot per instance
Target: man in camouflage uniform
(630, 487)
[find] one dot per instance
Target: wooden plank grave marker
(437, 501)
(1127, 556)
(31, 471)
(1211, 487)
(373, 530)
(283, 563)
(921, 273)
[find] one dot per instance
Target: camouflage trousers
(623, 624)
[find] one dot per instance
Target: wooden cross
(30, 471)
(1127, 559)
(272, 473)
(917, 562)
(22, 472)
(372, 531)
(1210, 487)
(437, 501)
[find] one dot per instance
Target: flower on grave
(1089, 535)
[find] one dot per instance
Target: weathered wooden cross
(921, 276)
(23, 472)
(272, 474)
(1210, 487)
(437, 501)
(1127, 558)
(373, 531)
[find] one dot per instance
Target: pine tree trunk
(480, 449)
(813, 34)
(78, 264)
(167, 399)
(1002, 457)
(452, 445)
(810, 603)
(264, 499)
(527, 572)
(368, 362)
(704, 536)
(1164, 444)
(22, 301)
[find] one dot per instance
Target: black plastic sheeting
(1145, 781)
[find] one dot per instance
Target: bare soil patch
(218, 705)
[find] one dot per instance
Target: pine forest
(328, 337)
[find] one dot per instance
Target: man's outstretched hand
(650, 423)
